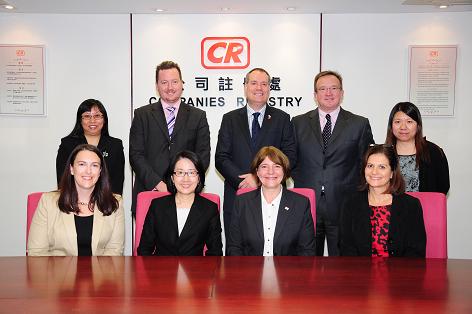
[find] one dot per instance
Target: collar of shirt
(334, 116)
(167, 105)
(250, 117)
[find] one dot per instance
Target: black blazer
(160, 234)
(338, 168)
(434, 175)
(294, 231)
(151, 149)
(234, 152)
(112, 151)
(406, 235)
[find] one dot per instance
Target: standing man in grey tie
(160, 130)
(244, 131)
(331, 143)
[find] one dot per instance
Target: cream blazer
(52, 232)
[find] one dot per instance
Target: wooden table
(234, 285)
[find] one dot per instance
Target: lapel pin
(286, 208)
(269, 117)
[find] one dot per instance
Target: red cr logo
(225, 52)
(20, 53)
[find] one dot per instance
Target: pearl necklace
(83, 203)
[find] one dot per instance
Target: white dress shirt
(269, 221)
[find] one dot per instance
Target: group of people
(361, 205)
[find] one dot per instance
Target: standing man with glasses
(244, 131)
(331, 143)
(160, 130)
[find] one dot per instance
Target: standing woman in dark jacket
(381, 220)
(423, 164)
(91, 127)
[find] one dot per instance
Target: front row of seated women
(85, 218)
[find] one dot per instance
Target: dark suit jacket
(161, 233)
(338, 168)
(434, 175)
(406, 235)
(294, 231)
(151, 149)
(112, 150)
(234, 153)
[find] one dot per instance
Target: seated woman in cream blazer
(84, 217)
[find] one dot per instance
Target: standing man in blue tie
(244, 131)
(160, 130)
(331, 143)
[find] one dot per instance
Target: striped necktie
(170, 120)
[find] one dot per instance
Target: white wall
(87, 56)
(371, 52)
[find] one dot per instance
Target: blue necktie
(255, 128)
(327, 131)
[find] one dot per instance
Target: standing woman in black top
(423, 164)
(91, 127)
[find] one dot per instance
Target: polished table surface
(234, 285)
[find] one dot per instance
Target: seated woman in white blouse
(182, 223)
(271, 221)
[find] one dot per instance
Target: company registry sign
(216, 51)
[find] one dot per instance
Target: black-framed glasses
(190, 173)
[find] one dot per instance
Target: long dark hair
(101, 195)
(86, 106)
(397, 184)
(422, 153)
(197, 162)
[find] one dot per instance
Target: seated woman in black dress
(184, 222)
(91, 127)
(423, 164)
(271, 220)
(381, 220)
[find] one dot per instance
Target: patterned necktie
(255, 128)
(170, 120)
(327, 131)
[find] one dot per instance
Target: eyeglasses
(190, 173)
(88, 117)
(332, 89)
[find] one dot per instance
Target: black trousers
(325, 229)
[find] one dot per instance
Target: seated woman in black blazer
(91, 127)
(184, 222)
(271, 220)
(381, 220)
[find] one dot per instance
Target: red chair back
(31, 205)
(142, 206)
(435, 221)
(309, 193)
